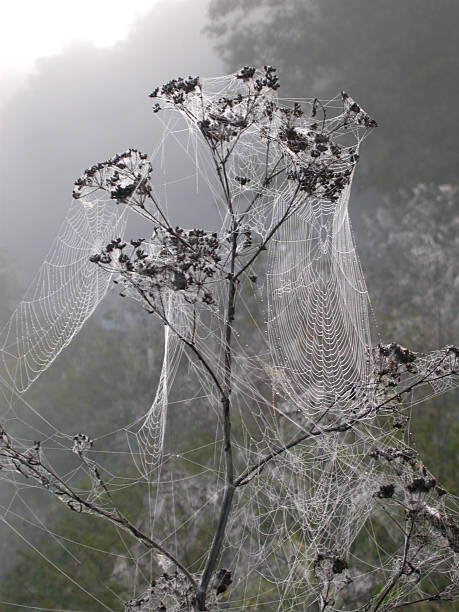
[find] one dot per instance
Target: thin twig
(341, 427)
(63, 489)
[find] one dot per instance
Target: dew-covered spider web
(64, 293)
(326, 485)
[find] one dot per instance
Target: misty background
(83, 106)
(398, 59)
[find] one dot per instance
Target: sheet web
(318, 415)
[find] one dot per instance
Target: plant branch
(436, 597)
(182, 338)
(262, 247)
(33, 467)
(342, 427)
(229, 469)
(399, 573)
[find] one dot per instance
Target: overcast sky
(75, 91)
(30, 30)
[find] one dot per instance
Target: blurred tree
(104, 380)
(412, 244)
(83, 567)
(399, 58)
(410, 255)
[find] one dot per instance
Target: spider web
(303, 367)
(63, 295)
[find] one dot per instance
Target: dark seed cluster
(176, 90)
(393, 364)
(268, 79)
(391, 454)
(224, 119)
(420, 482)
(177, 259)
(329, 560)
(81, 443)
(385, 491)
(421, 485)
(355, 113)
(169, 587)
(321, 167)
(246, 73)
(221, 580)
(396, 354)
(123, 176)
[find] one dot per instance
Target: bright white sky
(35, 28)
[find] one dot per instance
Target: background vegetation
(400, 60)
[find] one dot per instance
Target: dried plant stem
(228, 494)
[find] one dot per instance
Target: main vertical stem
(228, 494)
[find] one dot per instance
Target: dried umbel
(81, 444)
(397, 370)
(124, 177)
(168, 593)
(305, 440)
(302, 148)
(221, 580)
(174, 259)
(411, 496)
(314, 160)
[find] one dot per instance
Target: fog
(76, 108)
(85, 104)
(80, 107)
